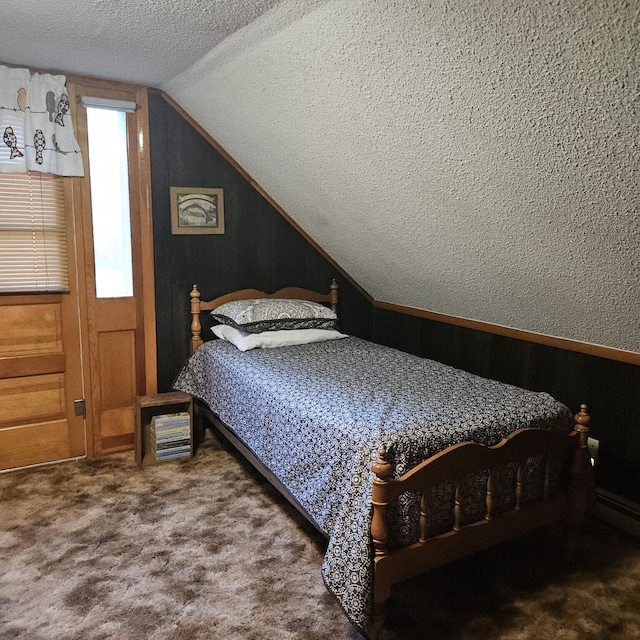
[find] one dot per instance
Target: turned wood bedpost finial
(334, 295)
(382, 469)
(580, 468)
(196, 327)
(582, 420)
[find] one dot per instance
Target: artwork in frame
(196, 210)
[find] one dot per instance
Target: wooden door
(120, 330)
(41, 373)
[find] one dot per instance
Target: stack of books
(170, 436)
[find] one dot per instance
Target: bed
(403, 463)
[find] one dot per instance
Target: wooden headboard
(291, 293)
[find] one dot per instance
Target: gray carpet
(204, 548)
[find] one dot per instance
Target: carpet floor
(204, 548)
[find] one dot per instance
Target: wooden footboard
(456, 463)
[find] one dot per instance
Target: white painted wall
(471, 157)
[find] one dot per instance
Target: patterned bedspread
(317, 414)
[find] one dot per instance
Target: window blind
(33, 242)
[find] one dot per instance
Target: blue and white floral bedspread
(316, 416)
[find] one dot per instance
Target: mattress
(316, 415)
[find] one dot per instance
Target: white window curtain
(35, 124)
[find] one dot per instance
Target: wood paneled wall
(259, 248)
(610, 388)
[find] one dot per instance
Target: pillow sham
(272, 339)
(274, 314)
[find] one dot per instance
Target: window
(109, 169)
(33, 241)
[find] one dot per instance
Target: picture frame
(196, 210)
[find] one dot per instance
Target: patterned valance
(35, 124)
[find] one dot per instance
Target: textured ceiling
(469, 157)
(142, 41)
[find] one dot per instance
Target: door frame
(141, 239)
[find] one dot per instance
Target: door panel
(118, 373)
(115, 314)
(27, 445)
(118, 382)
(121, 331)
(40, 377)
(31, 398)
(15, 367)
(117, 424)
(22, 333)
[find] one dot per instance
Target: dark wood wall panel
(259, 248)
(610, 388)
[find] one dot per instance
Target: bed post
(383, 470)
(579, 468)
(334, 295)
(196, 327)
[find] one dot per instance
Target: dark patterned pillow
(275, 314)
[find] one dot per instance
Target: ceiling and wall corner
(467, 157)
(140, 41)
(473, 158)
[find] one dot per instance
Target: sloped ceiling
(470, 157)
(140, 41)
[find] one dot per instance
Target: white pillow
(270, 339)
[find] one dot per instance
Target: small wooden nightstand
(149, 406)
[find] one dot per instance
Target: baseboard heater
(617, 511)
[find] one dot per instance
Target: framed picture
(196, 211)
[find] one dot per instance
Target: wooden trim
(141, 210)
(146, 241)
(81, 195)
(7, 299)
(216, 145)
(103, 85)
(20, 366)
(568, 344)
(115, 444)
(143, 259)
(291, 293)
(75, 191)
(620, 355)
